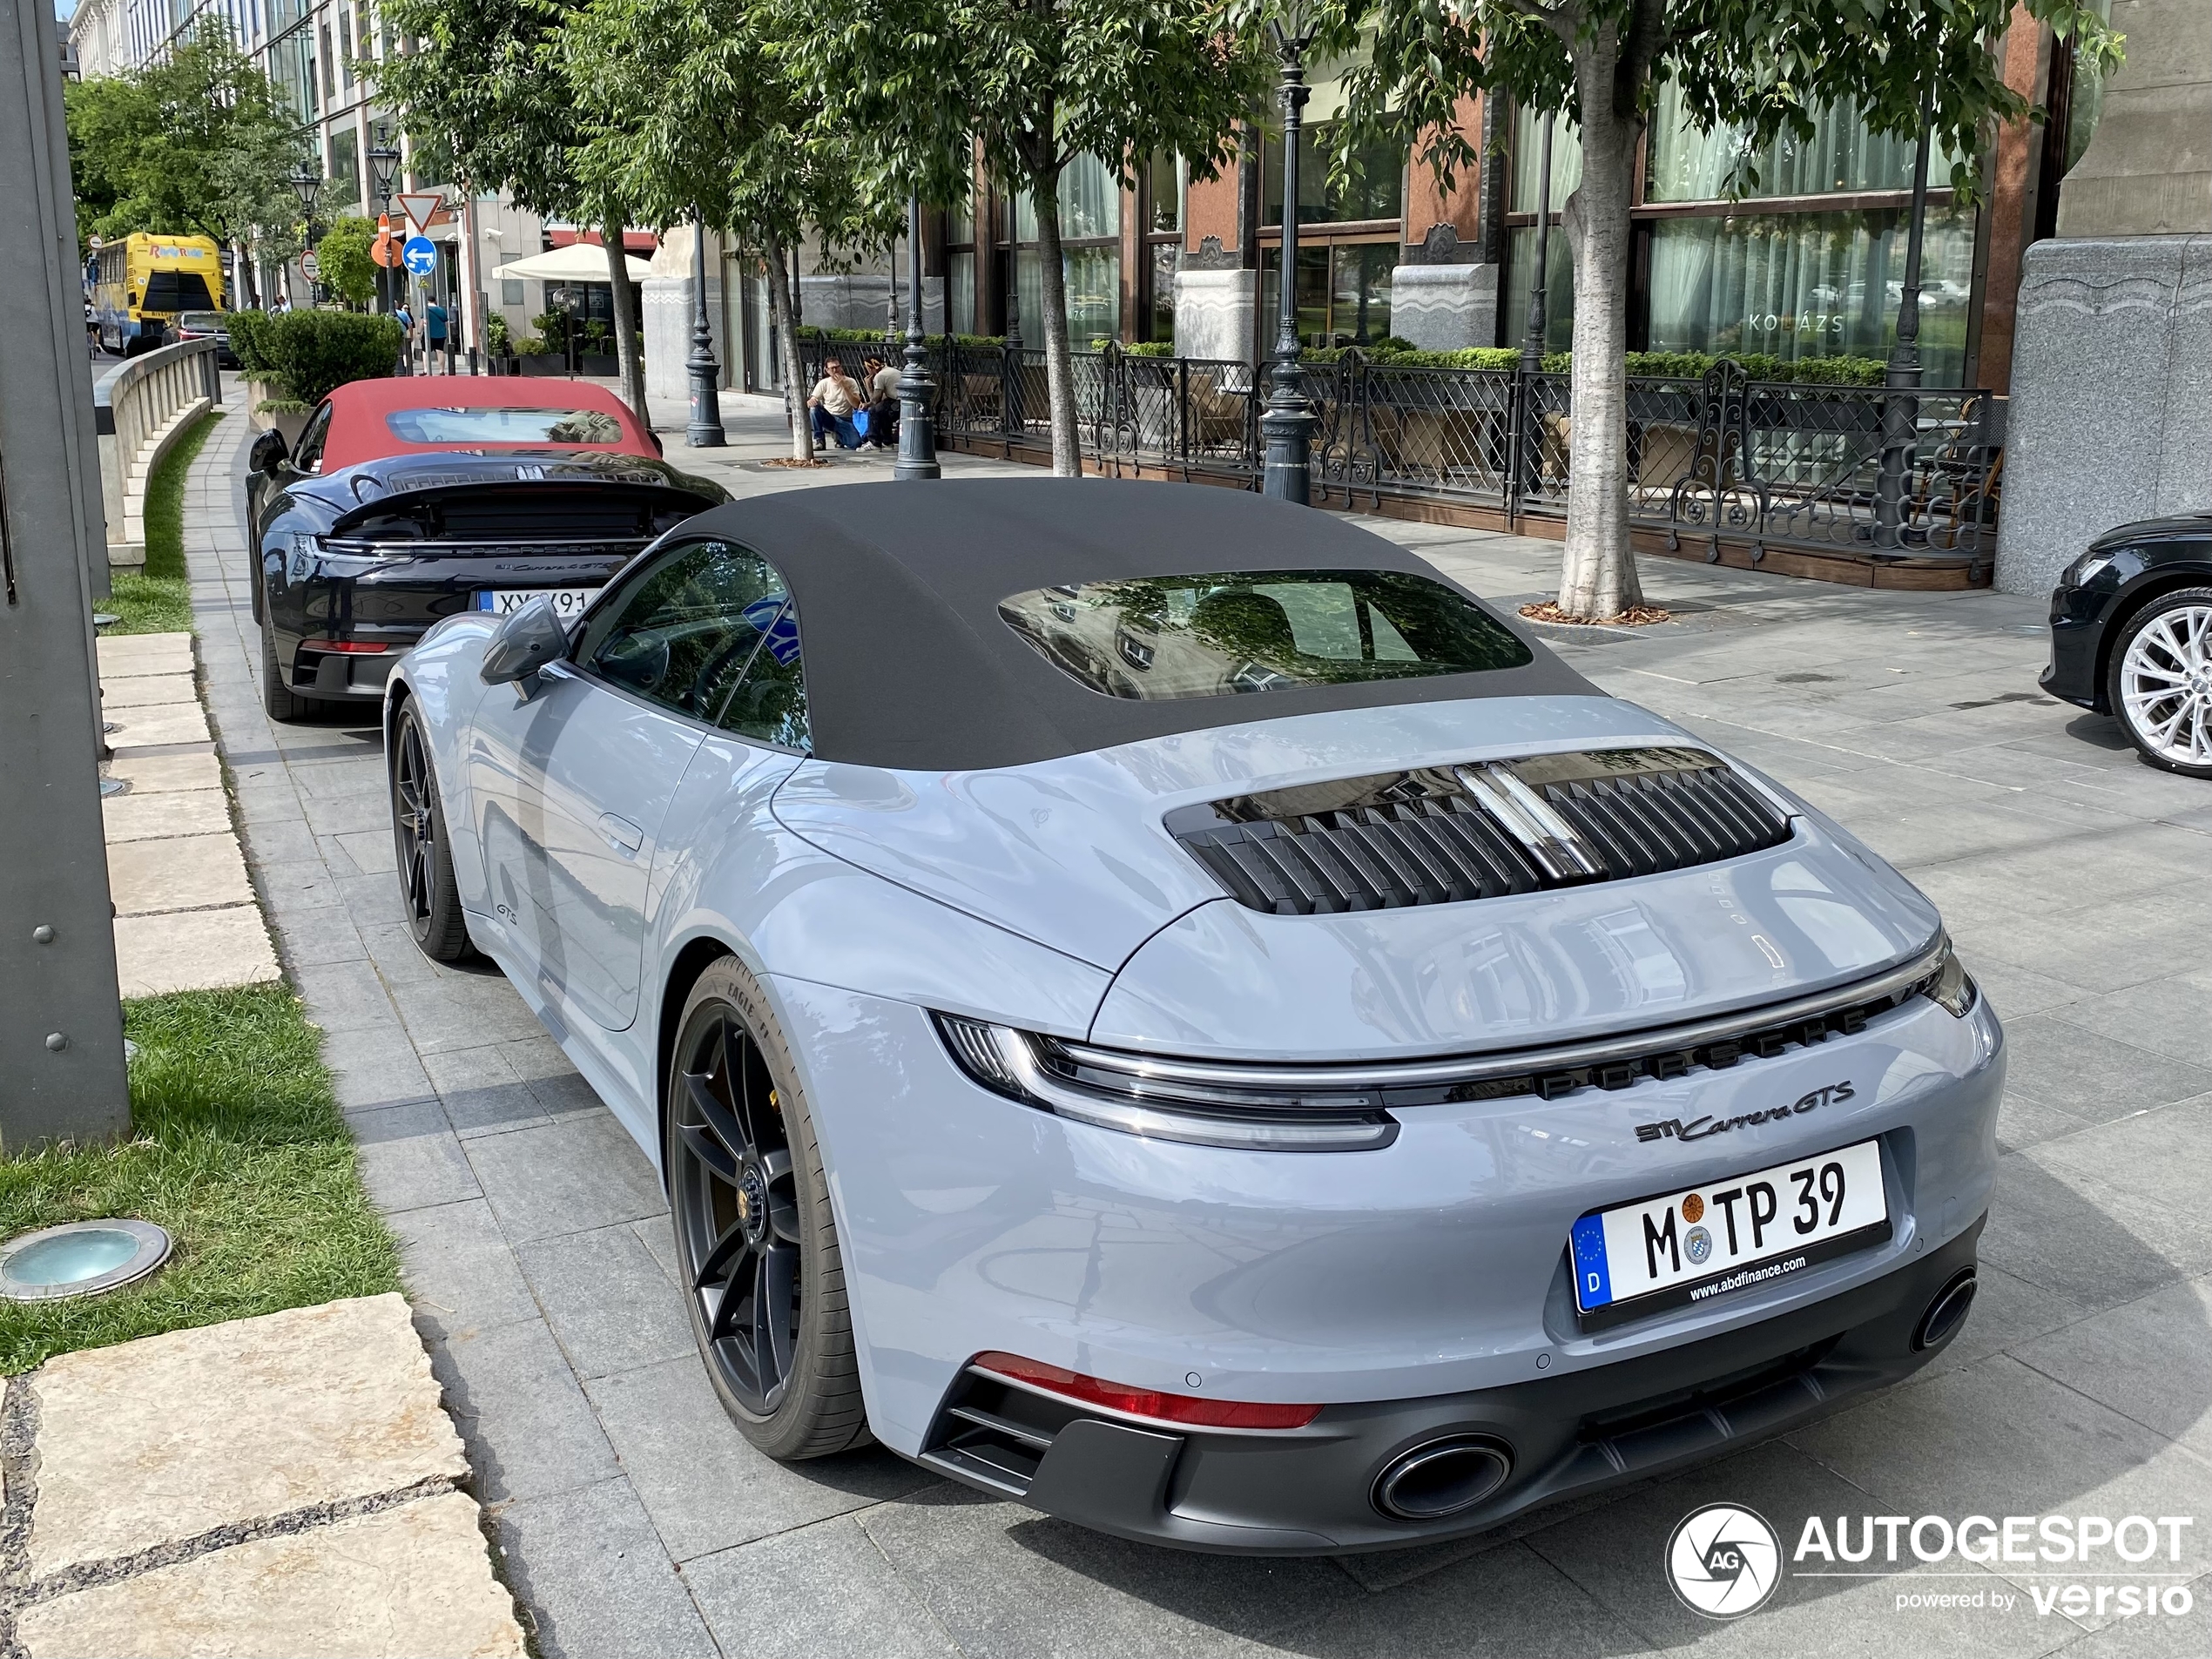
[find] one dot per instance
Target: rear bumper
(1311, 1490)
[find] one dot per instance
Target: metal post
(1286, 429)
(1528, 429)
(1010, 363)
(917, 436)
(1901, 408)
(705, 431)
(62, 1074)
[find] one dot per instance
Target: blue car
(1154, 1003)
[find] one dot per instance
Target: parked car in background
(407, 500)
(1155, 1004)
(2131, 637)
(208, 325)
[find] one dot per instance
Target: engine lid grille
(1445, 834)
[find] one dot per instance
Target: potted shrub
(300, 355)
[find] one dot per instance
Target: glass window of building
(1736, 252)
(343, 184)
(1343, 292)
(960, 270)
(1373, 187)
(1090, 230)
(1165, 181)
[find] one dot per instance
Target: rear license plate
(568, 603)
(1702, 1242)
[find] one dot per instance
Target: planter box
(604, 365)
(547, 365)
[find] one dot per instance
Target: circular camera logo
(1723, 1560)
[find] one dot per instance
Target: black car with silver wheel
(2131, 637)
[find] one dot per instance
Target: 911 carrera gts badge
(1698, 1128)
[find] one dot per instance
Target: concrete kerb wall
(139, 410)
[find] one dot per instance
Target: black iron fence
(1765, 464)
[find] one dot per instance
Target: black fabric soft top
(909, 664)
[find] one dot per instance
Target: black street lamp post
(705, 431)
(917, 436)
(383, 167)
(1901, 408)
(1286, 428)
(306, 186)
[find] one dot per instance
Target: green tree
(347, 266)
(1761, 67)
(1037, 83)
(484, 85)
(694, 116)
(196, 143)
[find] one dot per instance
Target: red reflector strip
(347, 647)
(1147, 1402)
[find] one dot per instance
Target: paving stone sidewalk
(184, 916)
(276, 1485)
(635, 1521)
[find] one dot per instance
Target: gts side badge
(1699, 1128)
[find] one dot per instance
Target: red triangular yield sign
(420, 206)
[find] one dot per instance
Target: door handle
(623, 834)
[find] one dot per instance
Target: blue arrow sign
(420, 256)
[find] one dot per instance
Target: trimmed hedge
(308, 353)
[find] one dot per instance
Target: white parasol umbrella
(578, 262)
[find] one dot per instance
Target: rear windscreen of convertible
(503, 425)
(1162, 638)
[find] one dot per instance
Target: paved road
(635, 1521)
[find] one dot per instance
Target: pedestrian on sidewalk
(883, 402)
(433, 319)
(406, 321)
(833, 399)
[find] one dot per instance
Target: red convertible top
(369, 419)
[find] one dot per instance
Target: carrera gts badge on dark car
(1698, 1128)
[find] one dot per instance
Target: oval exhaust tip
(1443, 1477)
(1947, 1313)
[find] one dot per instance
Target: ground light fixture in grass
(156, 597)
(237, 1150)
(80, 1258)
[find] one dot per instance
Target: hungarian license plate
(1635, 1259)
(568, 603)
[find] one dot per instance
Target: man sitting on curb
(833, 399)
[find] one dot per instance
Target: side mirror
(268, 452)
(526, 642)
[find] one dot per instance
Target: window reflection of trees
(1215, 635)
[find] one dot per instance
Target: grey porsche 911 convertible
(1154, 1003)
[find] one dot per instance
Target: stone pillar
(1442, 298)
(2111, 413)
(669, 304)
(1215, 300)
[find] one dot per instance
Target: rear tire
(427, 890)
(756, 1243)
(280, 701)
(2160, 681)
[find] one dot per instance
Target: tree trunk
(779, 318)
(1598, 574)
(627, 360)
(1059, 363)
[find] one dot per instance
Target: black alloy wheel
(427, 890)
(755, 1243)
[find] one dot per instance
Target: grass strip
(156, 597)
(238, 1149)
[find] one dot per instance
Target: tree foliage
(346, 265)
(1035, 83)
(196, 143)
(694, 116)
(486, 86)
(1759, 67)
